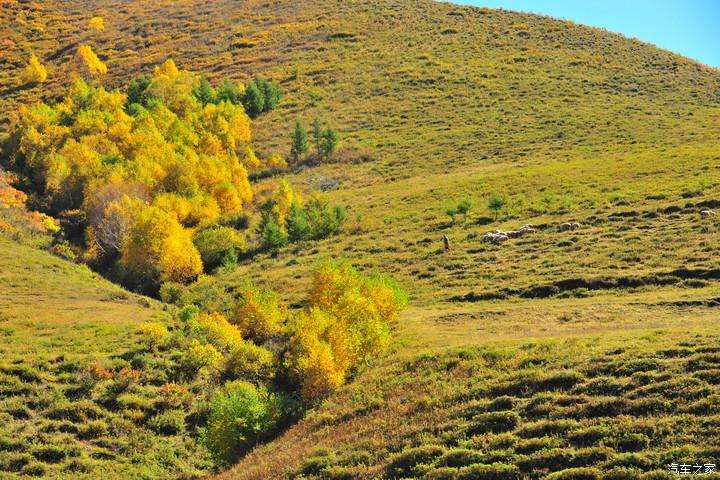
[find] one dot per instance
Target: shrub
(217, 245)
(258, 314)
(494, 471)
(51, 453)
(251, 362)
(208, 295)
(172, 292)
(239, 414)
(79, 465)
(442, 473)
(34, 469)
(93, 429)
(153, 333)
(460, 457)
(215, 329)
(13, 462)
(621, 474)
(172, 396)
(202, 355)
(576, 474)
(495, 422)
(406, 463)
(169, 422)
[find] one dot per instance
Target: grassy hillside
(588, 349)
(77, 388)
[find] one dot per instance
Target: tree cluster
(286, 218)
(141, 172)
(325, 141)
(269, 354)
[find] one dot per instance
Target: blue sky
(689, 27)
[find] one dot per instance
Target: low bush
(258, 314)
(218, 246)
(460, 457)
(494, 471)
(407, 462)
(576, 474)
(92, 429)
(153, 333)
(34, 469)
(215, 329)
(494, 422)
(14, 461)
(201, 355)
(239, 415)
(169, 422)
(251, 362)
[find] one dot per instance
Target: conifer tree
(299, 142)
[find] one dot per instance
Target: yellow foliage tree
(258, 314)
(283, 198)
(91, 63)
(97, 23)
(347, 321)
(34, 71)
(158, 249)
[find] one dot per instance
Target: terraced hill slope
(588, 349)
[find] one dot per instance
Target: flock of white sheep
(498, 236)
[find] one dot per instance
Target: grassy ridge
(614, 404)
(76, 387)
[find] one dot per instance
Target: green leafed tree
(329, 142)
(496, 203)
(204, 92)
(299, 145)
(254, 100)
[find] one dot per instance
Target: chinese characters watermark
(685, 468)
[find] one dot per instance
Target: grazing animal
(707, 213)
(495, 238)
(446, 242)
(569, 226)
(527, 229)
(515, 233)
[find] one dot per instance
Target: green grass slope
(588, 349)
(67, 345)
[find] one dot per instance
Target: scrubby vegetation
(144, 394)
(275, 359)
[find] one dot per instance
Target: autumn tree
(97, 23)
(34, 71)
(258, 314)
(347, 321)
(158, 249)
(90, 62)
